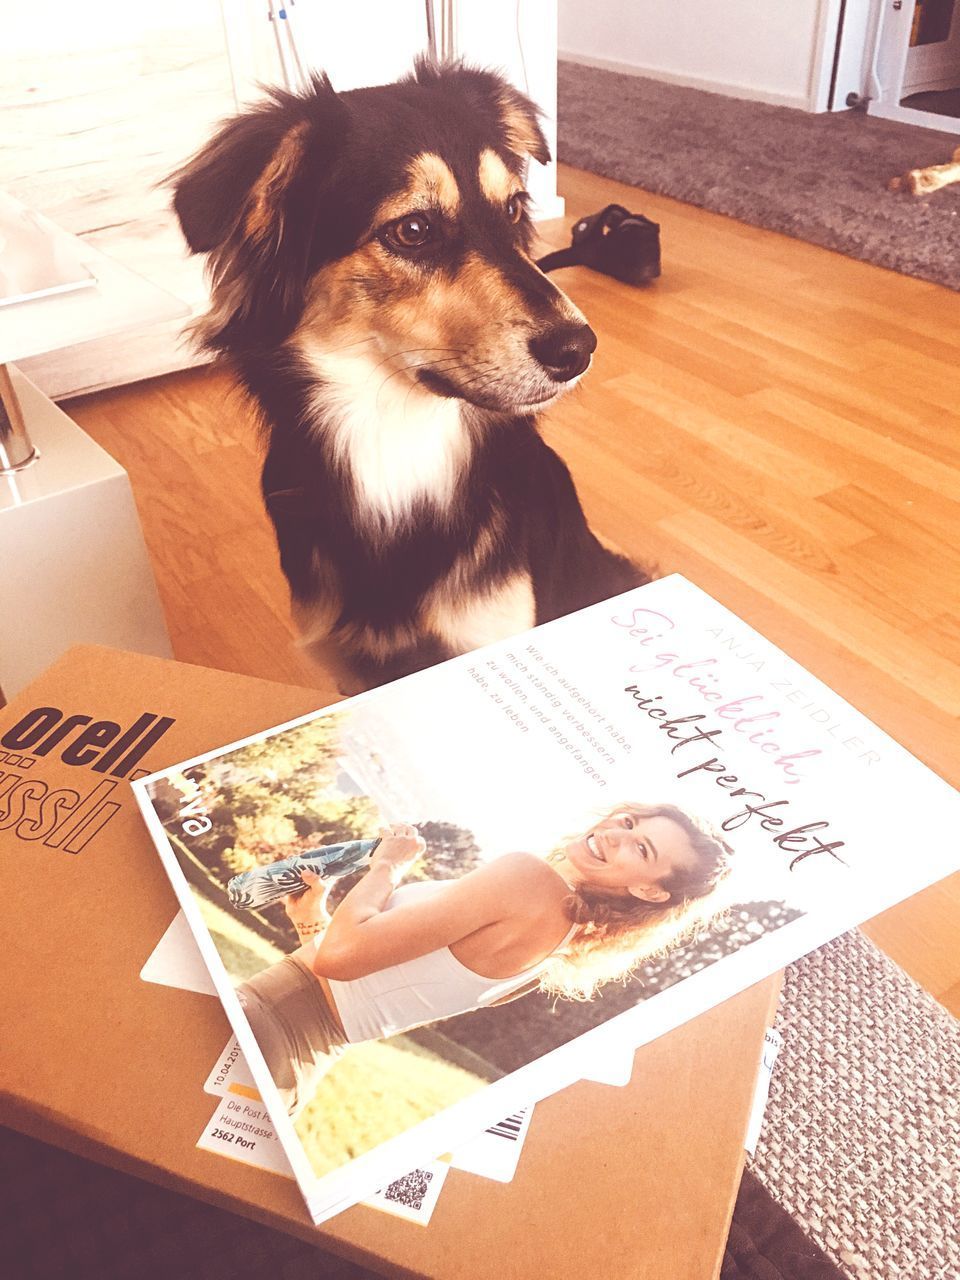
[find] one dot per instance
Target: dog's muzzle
(564, 351)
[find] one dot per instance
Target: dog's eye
(515, 206)
(410, 232)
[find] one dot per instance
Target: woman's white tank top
(425, 989)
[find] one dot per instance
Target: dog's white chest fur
(397, 443)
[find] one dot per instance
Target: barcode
(509, 1128)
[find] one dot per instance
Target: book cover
(589, 834)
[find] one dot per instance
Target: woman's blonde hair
(618, 932)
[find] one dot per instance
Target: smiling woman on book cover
(661, 694)
(396, 956)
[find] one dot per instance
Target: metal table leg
(16, 449)
(444, 50)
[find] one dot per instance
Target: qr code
(410, 1190)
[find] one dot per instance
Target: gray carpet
(861, 1137)
(816, 177)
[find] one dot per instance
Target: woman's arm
(399, 846)
(362, 937)
(307, 911)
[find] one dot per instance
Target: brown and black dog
(372, 286)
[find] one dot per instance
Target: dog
(372, 286)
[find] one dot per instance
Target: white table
(73, 563)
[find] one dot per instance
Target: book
(712, 810)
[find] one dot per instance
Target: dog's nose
(565, 351)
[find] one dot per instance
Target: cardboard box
(637, 1180)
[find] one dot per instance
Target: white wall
(519, 38)
(772, 50)
(375, 41)
(66, 26)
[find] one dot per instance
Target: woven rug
(816, 177)
(861, 1139)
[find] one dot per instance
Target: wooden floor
(773, 420)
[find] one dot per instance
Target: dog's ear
(492, 96)
(211, 192)
(521, 124)
(251, 198)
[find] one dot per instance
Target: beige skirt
(294, 1027)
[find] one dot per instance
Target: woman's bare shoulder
(522, 889)
(521, 869)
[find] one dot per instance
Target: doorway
(931, 79)
(914, 74)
